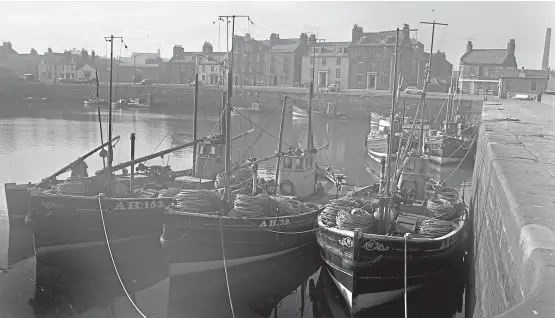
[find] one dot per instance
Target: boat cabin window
(299, 164)
(212, 150)
(201, 149)
(288, 162)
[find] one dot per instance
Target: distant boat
(142, 101)
(329, 113)
(96, 102)
(35, 99)
(121, 103)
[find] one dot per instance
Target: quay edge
(357, 104)
(512, 248)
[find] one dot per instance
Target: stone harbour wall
(512, 248)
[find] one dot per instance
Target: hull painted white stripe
(370, 300)
(197, 267)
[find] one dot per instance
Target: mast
(427, 78)
(99, 117)
(392, 118)
(110, 147)
(282, 124)
(229, 107)
(195, 114)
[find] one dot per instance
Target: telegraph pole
(229, 106)
(427, 80)
(110, 147)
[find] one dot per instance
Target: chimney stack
(469, 47)
(546, 48)
(511, 46)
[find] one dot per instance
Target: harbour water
(38, 144)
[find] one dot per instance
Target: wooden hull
(377, 275)
(450, 150)
(72, 228)
(194, 241)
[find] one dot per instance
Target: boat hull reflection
(255, 288)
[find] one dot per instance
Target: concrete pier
(512, 253)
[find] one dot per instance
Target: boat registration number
(275, 223)
(140, 205)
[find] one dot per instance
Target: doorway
(322, 79)
(371, 81)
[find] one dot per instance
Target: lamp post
(134, 69)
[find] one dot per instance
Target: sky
(147, 26)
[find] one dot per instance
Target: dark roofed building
(371, 57)
(284, 60)
(480, 69)
(249, 60)
(523, 81)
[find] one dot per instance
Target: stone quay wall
(512, 250)
(180, 98)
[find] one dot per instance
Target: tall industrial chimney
(545, 62)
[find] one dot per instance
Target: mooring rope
(225, 270)
(113, 261)
(407, 235)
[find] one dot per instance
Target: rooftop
(524, 73)
(485, 56)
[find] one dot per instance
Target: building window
(202, 68)
(359, 79)
(508, 85)
(203, 78)
(338, 62)
(323, 60)
(338, 73)
(272, 67)
(534, 86)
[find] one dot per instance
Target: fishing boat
(249, 224)
(94, 103)
(330, 113)
(34, 99)
(86, 216)
(120, 104)
(143, 101)
(381, 242)
(377, 139)
(456, 142)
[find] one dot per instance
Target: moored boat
(380, 245)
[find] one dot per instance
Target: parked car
(523, 97)
(333, 88)
(192, 84)
(413, 90)
(146, 82)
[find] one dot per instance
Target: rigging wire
(265, 131)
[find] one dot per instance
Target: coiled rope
(447, 193)
(356, 219)
(113, 261)
(329, 215)
(200, 201)
(434, 228)
(440, 209)
(251, 207)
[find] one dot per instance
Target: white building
(56, 66)
(332, 64)
(86, 72)
(211, 71)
